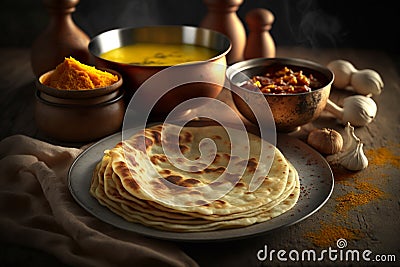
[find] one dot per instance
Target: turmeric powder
(73, 75)
(328, 234)
(369, 192)
(383, 155)
(363, 190)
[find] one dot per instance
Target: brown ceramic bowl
(79, 116)
(135, 75)
(89, 93)
(289, 110)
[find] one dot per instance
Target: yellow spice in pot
(73, 75)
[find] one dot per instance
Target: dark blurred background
(310, 23)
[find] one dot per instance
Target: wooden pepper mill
(62, 38)
(259, 42)
(222, 17)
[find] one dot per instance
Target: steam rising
(316, 28)
(101, 16)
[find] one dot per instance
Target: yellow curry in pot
(157, 54)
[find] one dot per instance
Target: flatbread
(131, 170)
(132, 176)
(117, 193)
(161, 220)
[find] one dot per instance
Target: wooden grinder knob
(222, 17)
(259, 42)
(61, 4)
(62, 38)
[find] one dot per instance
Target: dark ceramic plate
(316, 181)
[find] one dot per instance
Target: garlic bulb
(366, 82)
(355, 160)
(352, 157)
(343, 71)
(326, 141)
(359, 110)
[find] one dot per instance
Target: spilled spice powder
(369, 192)
(363, 192)
(328, 234)
(382, 156)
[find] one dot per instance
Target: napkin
(38, 211)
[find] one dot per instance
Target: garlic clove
(326, 141)
(352, 156)
(349, 138)
(354, 160)
(366, 82)
(359, 110)
(342, 71)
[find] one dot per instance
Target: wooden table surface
(373, 224)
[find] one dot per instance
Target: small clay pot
(69, 116)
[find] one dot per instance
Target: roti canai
(134, 179)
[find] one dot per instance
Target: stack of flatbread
(137, 181)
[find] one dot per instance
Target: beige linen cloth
(37, 210)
